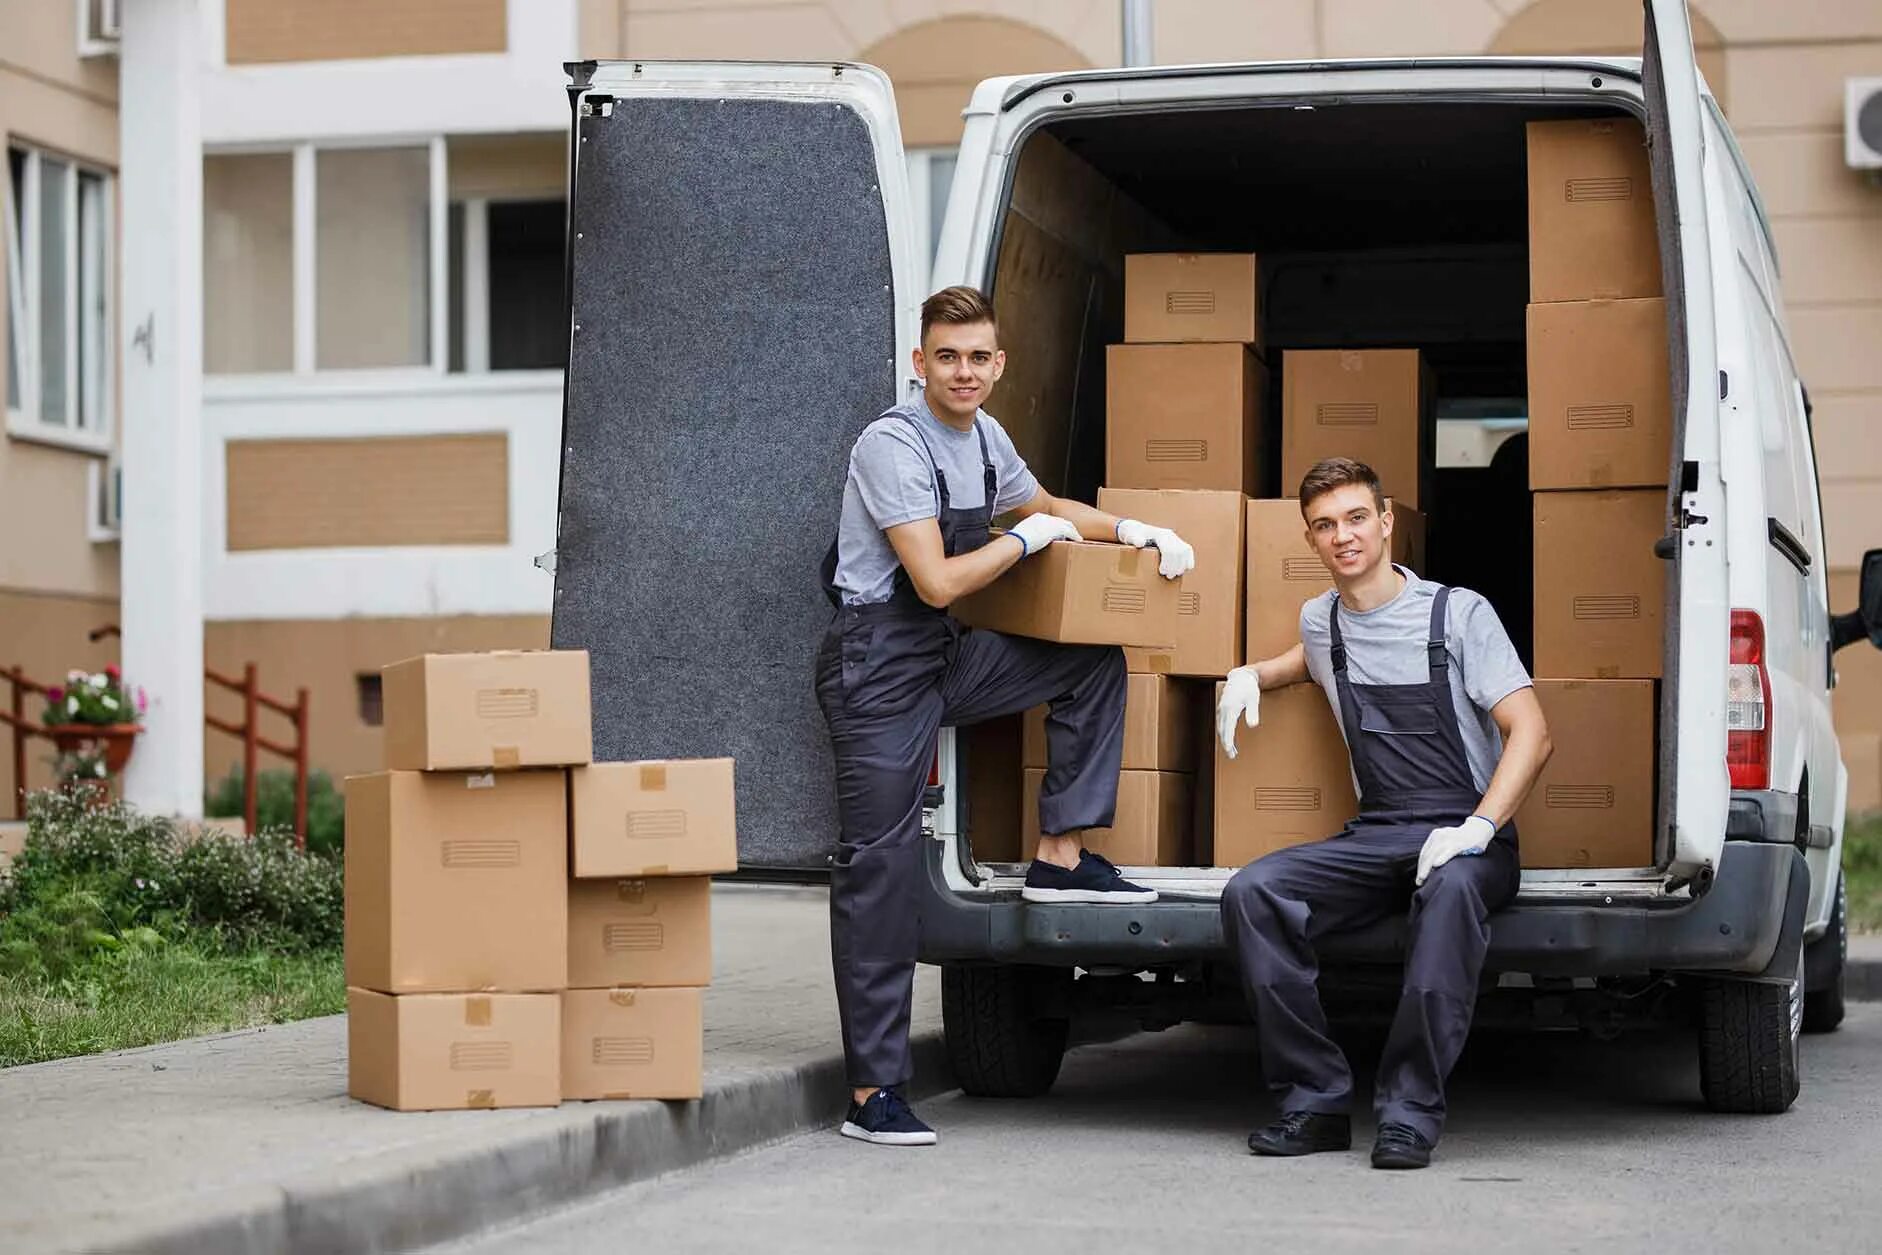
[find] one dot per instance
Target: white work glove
(1175, 554)
(1036, 531)
(1472, 836)
(1241, 699)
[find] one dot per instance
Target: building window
(372, 258)
(57, 222)
(507, 308)
(248, 263)
(372, 701)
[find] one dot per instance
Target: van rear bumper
(1737, 927)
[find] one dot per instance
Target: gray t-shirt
(891, 481)
(1387, 646)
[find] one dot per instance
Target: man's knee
(1253, 888)
(1457, 885)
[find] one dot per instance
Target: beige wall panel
(1763, 21)
(260, 31)
(56, 117)
(1836, 346)
(1802, 173)
(508, 165)
(1828, 259)
(598, 29)
(936, 65)
(44, 544)
(1193, 31)
(793, 32)
(1389, 28)
(1857, 702)
(1092, 27)
(40, 37)
(402, 490)
(1848, 431)
(46, 636)
(1796, 86)
(1852, 519)
(1602, 27)
(326, 657)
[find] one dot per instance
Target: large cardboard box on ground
(1160, 726)
(1209, 612)
(1591, 225)
(457, 881)
(633, 1043)
(1599, 589)
(654, 931)
(439, 1052)
(1290, 782)
(1080, 593)
(1372, 405)
(673, 817)
(446, 712)
(1151, 827)
(1284, 571)
(1184, 416)
(1172, 298)
(1600, 406)
(1593, 804)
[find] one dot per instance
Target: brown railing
(23, 729)
(248, 732)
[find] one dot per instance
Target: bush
(274, 805)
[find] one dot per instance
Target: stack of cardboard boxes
(479, 973)
(1600, 430)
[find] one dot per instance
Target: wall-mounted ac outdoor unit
(99, 28)
(1862, 123)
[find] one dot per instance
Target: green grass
(1862, 872)
(163, 994)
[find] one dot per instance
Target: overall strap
(989, 477)
(940, 477)
(1436, 656)
(1339, 643)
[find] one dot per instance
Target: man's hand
(1175, 555)
(1472, 836)
(1241, 699)
(1036, 531)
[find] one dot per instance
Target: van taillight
(934, 769)
(1748, 705)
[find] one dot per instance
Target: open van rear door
(1695, 788)
(736, 237)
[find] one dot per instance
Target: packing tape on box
(633, 892)
(1159, 663)
(653, 777)
(1128, 559)
(481, 780)
(505, 756)
(480, 1099)
(477, 1012)
(621, 997)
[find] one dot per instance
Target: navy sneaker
(1400, 1146)
(887, 1121)
(1095, 879)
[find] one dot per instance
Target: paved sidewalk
(247, 1141)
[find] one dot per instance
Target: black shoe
(1400, 1146)
(886, 1120)
(1303, 1133)
(1095, 879)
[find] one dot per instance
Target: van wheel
(1824, 959)
(1005, 1027)
(1750, 1053)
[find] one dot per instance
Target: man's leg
(1272, 912)
(1449, 937)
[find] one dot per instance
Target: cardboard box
(450, 712)
(1284, 571)
(1600, 406)
(1599, 591)
(1187, 298)
(1862, 758)
(1593, 804)
(1290, 782)
(449, 1052)
(1184, 416)
(633, 1043)
(640, 932)
(1151, 827)
(457, 881)
(1080, 593)
(1209, 612)
(675, 817)
(1591, 223)
(1372, 405)
(1160, 723)
(991, 754)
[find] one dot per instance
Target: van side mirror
(1866, 619)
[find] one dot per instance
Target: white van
(741, 240)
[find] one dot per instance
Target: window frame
(473, 259)
(21, 223)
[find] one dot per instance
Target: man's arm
(1526, 747)
(940, 580)
(1283, 669)
(1091, 522)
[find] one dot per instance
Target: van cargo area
(1400, 225)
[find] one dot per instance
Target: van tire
(998, 1040)
(1823, 1006)
(1749, 1053)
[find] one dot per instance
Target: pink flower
(55, 695)
(143, 703)
(112, 673)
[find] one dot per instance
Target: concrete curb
(415, 1197)
(1862, 979)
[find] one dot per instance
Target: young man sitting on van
(1446, 739)
(925, 480)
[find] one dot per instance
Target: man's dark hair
(1330, 473)
(957, 307)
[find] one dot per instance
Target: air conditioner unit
(1862, 123)
(105, 500)
(99, 27)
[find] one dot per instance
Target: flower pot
(116, 739)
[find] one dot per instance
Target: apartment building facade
(381, 203)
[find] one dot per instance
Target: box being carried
(1183, 298)
(670, 818)
(1184, 416)
(1290, 782)
(1080, 593)
(1209, 609)
(1284, 572)
(438, 1052)
(450, 712)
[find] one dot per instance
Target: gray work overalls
(1413, 775)
(889, 675)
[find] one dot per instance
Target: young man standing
(925, 480)
(1446, 738)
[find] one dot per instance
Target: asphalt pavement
(1556, 1143)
